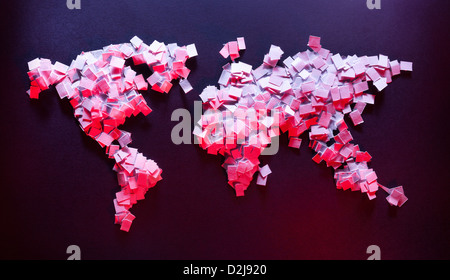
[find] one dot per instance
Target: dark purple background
(57, 185)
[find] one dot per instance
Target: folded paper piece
(262, 177)
(396, 195)
(104, 91)
(233, 48)
(312, 91)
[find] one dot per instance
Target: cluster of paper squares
(136, 174)
(312, 91)
(232, 48)
(104, 91)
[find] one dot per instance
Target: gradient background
(57, 185)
